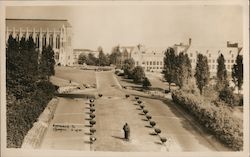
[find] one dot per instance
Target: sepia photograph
(124, 77)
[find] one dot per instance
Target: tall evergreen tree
(183, 70)
(13, 70)
(237, 72)
(102, 58)
(47, 63)
(202, 72)
(32, 56)
(169, 66)
(221, 73)
(115, 56)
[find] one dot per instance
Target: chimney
(189, 41)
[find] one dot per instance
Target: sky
(151, 25)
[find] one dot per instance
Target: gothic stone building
(56, 33)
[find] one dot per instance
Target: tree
(221, 73)
(128, 66)
(237, 72)
(92, 60)
(82, 59)
(138, 74)
(102, 58)
(146, 83)
(169, 66)
(47, 62)
(201, 72)
(115, 56)
(183, 70)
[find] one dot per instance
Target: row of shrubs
(216, 118)
(23, 112)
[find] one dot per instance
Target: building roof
(37, 23)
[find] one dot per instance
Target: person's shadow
(117, 137)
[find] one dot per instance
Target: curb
(34, 136)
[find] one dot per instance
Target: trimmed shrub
(152, 123)
(157, 131)
(92, 116)
(163, 140)
(92, 122)
(92, 130)
(92, 110)
(148, 117)
(127, 96)
(145, 111)
(136, 98)
(100, 95)
(91, 105)
(142, 106)
(216, 118)
(139, 102)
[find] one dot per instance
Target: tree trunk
(169, 85)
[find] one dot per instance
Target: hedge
(216, 118)
(22, 113)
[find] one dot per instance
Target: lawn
(76, 75)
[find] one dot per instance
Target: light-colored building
(77, 52)
(56, 33)
(212, 53)
(150, 59)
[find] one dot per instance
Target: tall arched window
(58, 42)
(17, 37)
(44, 40)
(37, 41)
(51, 40)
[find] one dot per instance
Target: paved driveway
(113, 110)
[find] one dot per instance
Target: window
(137, 63)
(209, 61)
(37, 41)
(17, 37)
(191, 55)
(51, 40)
(228, 66)
(213, 61)
(232, 61)
(209, 66)
(209, 54)
(44, 40)
(213, 67)
(147, 62)
(232, 55)
(153, 62)
(157, 63)
(228, 61)
(143, 62)
(160, 63)
(150, 63)
(58, 42)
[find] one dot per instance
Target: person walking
(126, 130)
